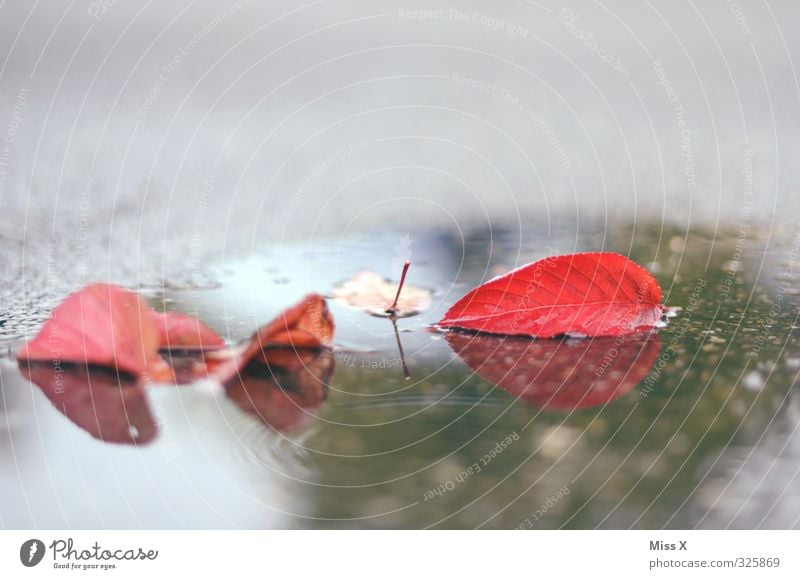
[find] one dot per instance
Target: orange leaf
(306, 325)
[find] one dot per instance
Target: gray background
(116, 144)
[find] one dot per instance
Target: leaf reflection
(280, 386)
(111, 407)
(283, 386)
(559, 374)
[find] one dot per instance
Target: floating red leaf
(583, 294)
(560, 374)
(102, 325)
(177, 331)
(306, 325)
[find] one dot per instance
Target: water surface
(694, 426)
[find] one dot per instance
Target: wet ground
(694, 426)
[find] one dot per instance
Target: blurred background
(182, 130)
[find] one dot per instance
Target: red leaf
(589, 294)
(560, 375)
(306, 325)
(182, 331)
(102, 325)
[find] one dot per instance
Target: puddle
(694, 426)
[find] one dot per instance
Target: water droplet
(753, 381)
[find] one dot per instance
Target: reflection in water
(109, 406)
(280, 386)
(283, 386)
(559, 374)
(707, 436)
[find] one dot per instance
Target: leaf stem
(393, 308)
(406, 373)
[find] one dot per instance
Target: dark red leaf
(101, 325)
(110, 407)
(560, 374)
(177, 331)
(586, 294)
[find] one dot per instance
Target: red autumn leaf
(181, 331)
(586, 294)
(102, 325)
(560, 374)
(306, 325)
(110, 407)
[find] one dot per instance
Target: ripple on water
(259, 449)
